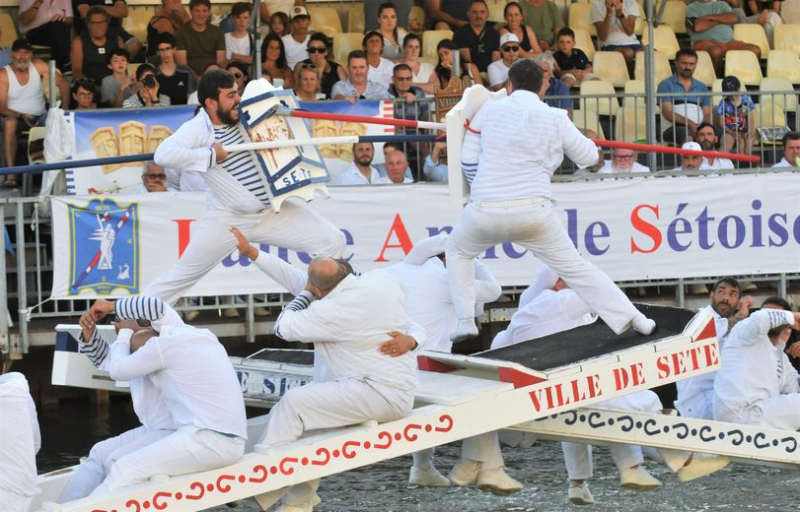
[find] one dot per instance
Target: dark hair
(144, 68)
(685, 52)
(86, 84)
(240, 7)
(511, 4)
(790, 136)
(281, 62)
(244, 68)
(566, 32)
(729, 281)
(412, 37)
(401, 67)
(211, 83)
(118, 52)
(396, 145)
(322, 38)
(194, 3)
(731, 84)
(707, 125)
(473, 2)
(777, 301)
(442, 72)
(97, 10)
(383, 7)
(166, 37)
(372, 33)
(356, 54)
(281, 16)
(526, 75)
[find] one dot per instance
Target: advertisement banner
(633, 229)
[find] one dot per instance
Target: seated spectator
(358, 86)
(396, 169)
(307, 83)
(361, 171)
(241, 74)
(371, 16)
(273, 60)
(478, 41)
(91, 49)
(176, 81)
(545, 18)
(296, 42)
(119, 85)
(573, 65)
(615, 21)
(710, 25)
(683, 112)
(692, 162)
(401, 88)
(423, 75)
(166, 20)
(199, 42)
(48, 23)
(154, 179)
(330, 72)
(117, 11)
(279, 24)
(447, 14)
(435, 168)
(147, 86)
(622, 160)
(552, 86)
(708, 138)
(735, 118)
(83, 95)
(22, 102)
(766, 13)
(192, 100)
(380, 68)
(239, 42)
(791, 150)
(529, 44)
(389, 147)
(444, 67)
(498, 70)
(393, 36)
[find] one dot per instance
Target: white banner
(646, 228)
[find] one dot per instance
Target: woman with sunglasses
(330, 72)
(241, 74)
(307, 82)
(444, 68)
(424, 76)
(529, 45)
(273, 60)
(393, 35)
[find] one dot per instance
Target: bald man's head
(325, 274)
(141, 337)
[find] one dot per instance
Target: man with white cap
(498, 70)
(692, 162)
(296, 42)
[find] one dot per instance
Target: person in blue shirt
(683, 112)
(552, 86)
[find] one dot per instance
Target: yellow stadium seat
(783, 63)
(344, 43)
(666, 41)
(768, 116)
(752, 33)
(36, 133)
(355, 20)
(9, 30)
(496, 8)
(418, 14)
(583, 41)
(716, 86)
(137, 20)
(675, 16)
(787, 37)
(744, 65)
(634, 87)
(431, 38)
(778, 91)
(662, 66)
(579, 16)
(704, 72)
(630, 124)
(325, 20)
(641, 20)
(599, 96)
(790, 11)
(588, 120)
(611, 67)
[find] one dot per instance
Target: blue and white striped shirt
(241, 165)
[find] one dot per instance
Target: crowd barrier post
(5, 346)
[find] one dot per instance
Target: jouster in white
(20, 441)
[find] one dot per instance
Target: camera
(149, 81)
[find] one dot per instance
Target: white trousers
(536, 227)
(329, 405)
(782, 411)
(297, 227)
(699, 406)
(13, 502)
(187, 450)
(773, 20)
(93, 470)
(483, 448)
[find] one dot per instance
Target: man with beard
(683, 112)
(360, 172)
(709, 140)
(237, 193)
(696, 393)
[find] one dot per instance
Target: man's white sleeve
(419, 333)
(754, 329)
(471, 148)
(581, 150)
(791, 379)
(425, 249)
(180, 150)
(292, 279)
(145, 307)
(124, 366)
(487, 289)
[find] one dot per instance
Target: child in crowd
(239, 43)
(118, 86)
(279, 24)
(735, 117)
(573, 65)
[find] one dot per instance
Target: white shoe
(702, 466)
(497, 481)
(270, 498)
(230, 313)
(191, 315)
(466, 329)
(427, 477)
(580, 494)
(465, 472)
(643, 325)
(260, 311)
(638, 479)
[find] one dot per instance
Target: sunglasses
(305, 65)
(316, 49)
(155, 176)
(511, 48)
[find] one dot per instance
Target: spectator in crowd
(239, 42)
(735, 118)
(544, 16)
(615, 21)
(791, 150)
(783, 304)
(683, 112)
(273, 60)
(573, 65)
(447, 14)
(83, 95)
(396, 169)
(307, 82)
(372, 13)
(330, 72)
(91, 49)
(380, 68)
(192, 100)
(357, 85)
(147, 90)
(478, 41)
(444, 67)
(498, 70)
(166, 20)
(393, 36)
(361, 171)
(388, 147)
(241, 74)
(552, 86)
(279, 24)
(199, 42)
(48, 23)
(435, 168)
(5, 53)
(622, 160)
(22, 102)
(708, 139)
(423, 75)
(119, 85)
(154, 179)
(529, 44)
(710, 25)
(296, 43)
(176, 81)
(766, 13)
(692, 162)
(117, 11)
(401, 88)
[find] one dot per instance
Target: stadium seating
(752, 33)
(641, 21)
(788, 101)
(431, 38)
(704, 72)
(588, 120)
(583, 41)
(744, 65)
(137, 20)
(344, 43)
(579, 17)
(325, 20)
(607, 105)
(496, 8)
(630, 125)
(784, 63)
(9, 30)
(611, 67)
(37, 133)
(417, 13)
(634, 87)
(769, 116)
(675, 16)
(787, 37)
(355, 20)
(666, 41)
(790, 11)
(662, 68)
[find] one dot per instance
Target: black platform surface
(590, 341)
(299, 357)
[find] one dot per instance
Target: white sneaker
(497, 481)
(465, 472)
(638, 479)
(643, 325)
(260, 311)
(702, 466)
(191, 315)
(427, 477)
(466, 329)
(580, 494)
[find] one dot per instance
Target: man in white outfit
(236, 193)
(757, 384)
(511, 149)
(197, 383)
(361, 171)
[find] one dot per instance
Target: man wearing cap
(498, 70)
(791, 150)
(296, 43)
(692, 162)
(200, 43)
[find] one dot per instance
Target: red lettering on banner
(184, 233)
(628, 377)
(645, 228)
(691, 359)
(561, 394)
(400, 232)
(712, 356)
